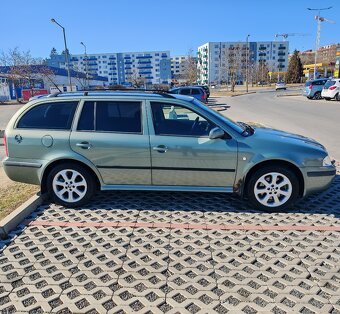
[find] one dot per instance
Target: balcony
(282, 48)
(262, 54)
(112, 58)
(281, 60)
(281, 54)
(111, 63)
(144, 62)
(262, 48)
(128, 62)
(127, 57)
(143, 57)
(149, 77)
(145, 72)
(145, 67)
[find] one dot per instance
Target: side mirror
(216, 133)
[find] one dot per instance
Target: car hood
(285, 136)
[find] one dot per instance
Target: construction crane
(319, 20)
(285, 36)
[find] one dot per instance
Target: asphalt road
(318, 119)
(6, 113)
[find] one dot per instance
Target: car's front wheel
(273, 188)
(70, 185)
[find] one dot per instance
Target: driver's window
(179, 121)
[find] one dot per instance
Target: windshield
(239, 128)
(329, 83)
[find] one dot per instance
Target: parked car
(194, 91)
(72, 144)
(331, 89)
(206, 89)
(280, 85)
(313, 88)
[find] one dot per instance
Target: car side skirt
(167, 188)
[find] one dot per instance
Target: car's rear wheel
(337, 97)
(327, 98)
(317, 95)
(70, 185)
(273, 188)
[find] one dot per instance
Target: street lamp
(66, 53)
(317, 42)
(86, 66)
(247, 57)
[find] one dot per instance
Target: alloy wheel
(273, 189)
(69, 185)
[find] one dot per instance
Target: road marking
(118, 224)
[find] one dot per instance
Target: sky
(145, 25)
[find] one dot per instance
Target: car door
(182, 153)
(111, 134)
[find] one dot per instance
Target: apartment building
(215, 59)
(154, 66)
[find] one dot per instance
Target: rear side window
(185, 91)
(329, 83)
(111, 116)
(308, 84)
(195, 91)
(53, 116)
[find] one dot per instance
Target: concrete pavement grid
(105, 257)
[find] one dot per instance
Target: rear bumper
(22, 171)
(328, 94)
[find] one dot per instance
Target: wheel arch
(61, 161)
(274, 162)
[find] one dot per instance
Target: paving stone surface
(148, 252)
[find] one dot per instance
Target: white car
(280, 85)
(331, 89)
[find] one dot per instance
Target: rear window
(308, 84)
(329, 83)
(111, 116)
(54, 116)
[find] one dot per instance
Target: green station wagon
(73, 144)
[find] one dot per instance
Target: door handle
(160, 148)
(84, 145)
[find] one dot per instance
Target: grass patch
(13, 195)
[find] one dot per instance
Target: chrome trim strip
(22, 164)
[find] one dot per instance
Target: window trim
(95, 116)
(180, 135)
(46, 103)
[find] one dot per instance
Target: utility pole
(247, 57)
(86, 66)
(317, 42)
(66, 53)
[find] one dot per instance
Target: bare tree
(136, 79)
(190, 68)
(235, 61)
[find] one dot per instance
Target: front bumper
(318, 179)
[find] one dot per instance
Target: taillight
(5, 144)
(332, 87)
(203, 97)
(310, 86)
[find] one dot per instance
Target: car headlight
(327, 161)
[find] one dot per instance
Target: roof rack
(86, 92)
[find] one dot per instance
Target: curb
(18, 215)
(243, 94)
(286, 95)
(2, 132)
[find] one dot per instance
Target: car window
(195, 91)
(185, 91)
(118, 116)
(329, 83)
(53, 116)
(175, 91)
(86, 120)
(175, 120)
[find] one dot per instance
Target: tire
(317, 95)
(272, 200)
(72, 196)
(328, 99)
(337, 97)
